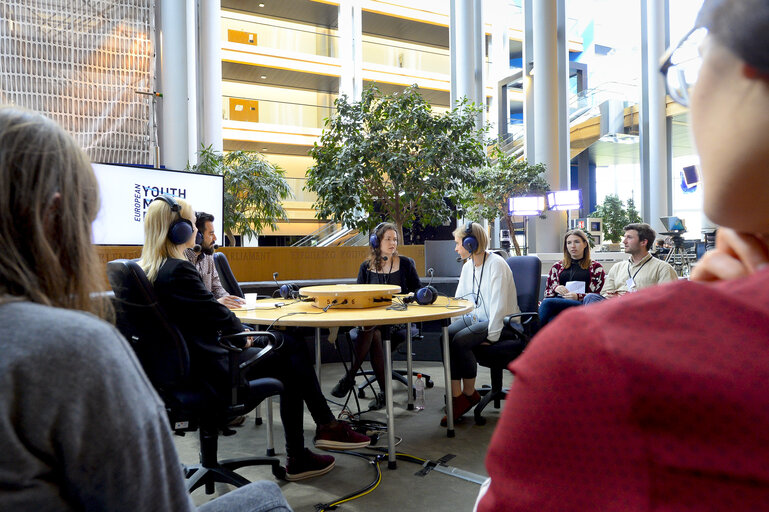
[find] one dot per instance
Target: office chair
(227, 278)
(515, 336)
(397, 375)
(191, 405)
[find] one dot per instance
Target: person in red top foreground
(658, 400)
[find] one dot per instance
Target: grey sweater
(80, 426)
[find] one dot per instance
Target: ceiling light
(263, 77)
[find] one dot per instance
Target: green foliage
(254, 190)
(487, 197)
(616, 217)
(389, 155)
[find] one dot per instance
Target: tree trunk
(230, 237)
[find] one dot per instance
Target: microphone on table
(430, 271)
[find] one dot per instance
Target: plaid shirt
(207, 270)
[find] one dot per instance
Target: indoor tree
(506, 177)
(254, 190)
(391, 157)
(615, 216)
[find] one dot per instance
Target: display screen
(126, 192)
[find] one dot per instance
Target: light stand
(526, 207)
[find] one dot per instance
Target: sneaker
(461, 404)
(378, 402)
(308, 465)
(343, 387)
(339, 436)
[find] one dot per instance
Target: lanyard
(483, 267)
(637, 271)
(385, 278)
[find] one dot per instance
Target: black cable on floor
(322, 507)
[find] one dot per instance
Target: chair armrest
(267, 341)
(528, 314)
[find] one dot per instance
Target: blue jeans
(551, 306)
(263, 496)
(592, 298)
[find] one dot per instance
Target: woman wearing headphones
(571, 278)
(486, 280)
(169, 229)
(383, 266)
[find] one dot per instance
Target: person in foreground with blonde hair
(80, 426)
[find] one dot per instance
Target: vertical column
(658, 196)
(499, 113)
(467, 39)
(351, 49)
(547, 87)
(192, 81)
(172, 74)
(211, 74)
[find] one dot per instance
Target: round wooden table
(294, 313)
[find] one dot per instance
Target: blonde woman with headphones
(487, 281)
(169, 229)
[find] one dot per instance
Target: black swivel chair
(226, 276)
(401, 376)
(190, 404)
(515, 336)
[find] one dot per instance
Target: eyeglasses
(681, 65)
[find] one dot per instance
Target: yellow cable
(379, 480)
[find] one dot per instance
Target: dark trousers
(292, 366)
(463, 336)
(551, 306)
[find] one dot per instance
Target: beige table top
(305, 314)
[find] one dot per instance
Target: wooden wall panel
(292, 263)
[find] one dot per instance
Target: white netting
(81, 63)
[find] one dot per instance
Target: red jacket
(656, 400)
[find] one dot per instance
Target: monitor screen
(596, 225)
(126, 192)
(690, 176)
(673, 223)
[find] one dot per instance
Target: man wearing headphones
(486, 280)
(204, 260)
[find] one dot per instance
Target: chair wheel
(361, 393)
(480, 420)
(279, 472)
(430, 384)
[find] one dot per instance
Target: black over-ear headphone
(469, 242)
(181, 229)
(424, 296)
(286, 291)
(373, 240)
